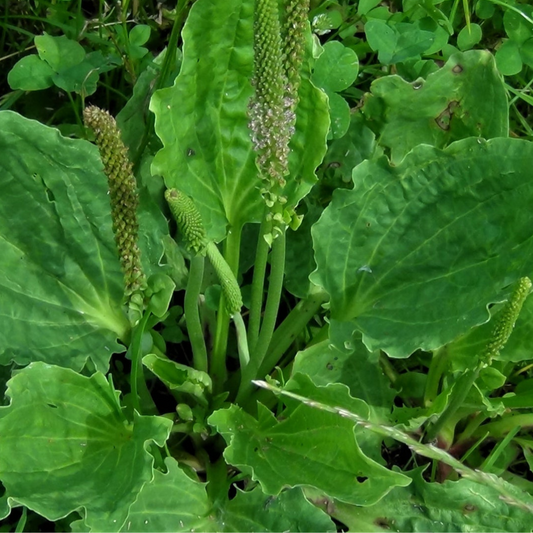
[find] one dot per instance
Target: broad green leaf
(369, 443)
(153, 230)
(61, 285)
(508, 58)
(441, 40)
(339, 115)
(139, 35)
(202, 121)
(412, 41)
(307, 448)
(358, 370)
(30, 74)
(438, 507)
(336, 68)
(65, 445)
(171, 502)
(290, 511)
(326, 399)
(415, 253)
(134, 117)
(485, 9)
(469, 36)
(397, 42)
(382, 38)
(343, 155)
(59, 52)
(521, 398)
(517, 27)
(366, 5)
(299, 260)
(526, 52)
(175, 502)
(81, 78)
(464, 98)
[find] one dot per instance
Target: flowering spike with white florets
(278, 55)
(270, 134)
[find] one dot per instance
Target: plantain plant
(212, 343)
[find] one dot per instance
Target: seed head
(122, 193)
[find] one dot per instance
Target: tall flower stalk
(278, 54)
(124, 199)
(279, 45)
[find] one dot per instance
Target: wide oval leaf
(461, 505)
(65, 445)
(307, 448)
(465, 98)
(414, 254)
(61, 286)
(175, 502)
(202, 121)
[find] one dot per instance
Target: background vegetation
(420, 364)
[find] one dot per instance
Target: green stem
(472, 426)
(75, 109)
(162, 80)
(460, 392)
(218, 373)
(21, 524)
(488, 463)
(217, 477)
(473, 448)
(258, 283)
(137, 383)
(388, 368)
(242, 341)
(505, 425)
(436, 369)
(290, 328)
(170, 56)
(275, 286)
(192, 315)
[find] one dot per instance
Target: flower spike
(123, 196)
(507, 319)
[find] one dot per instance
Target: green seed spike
(123, 196)
(507, 318)
(188, 218)
(230, 287)
(294, 43)
(270, 120)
